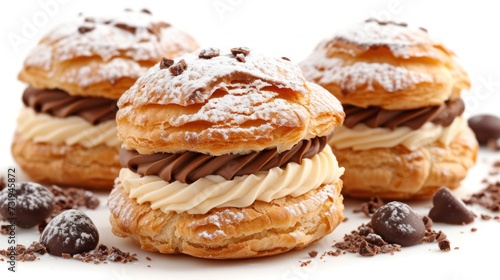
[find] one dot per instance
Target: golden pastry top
(102, 56)
(229, 101)
(386, 64)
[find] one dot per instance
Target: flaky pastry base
(262, 229)
(67, 166)
(400, 174)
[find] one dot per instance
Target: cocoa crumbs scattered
(368, 208)
(313, 253)
(306, 263)
(26, 254)
(102, 254)
(489, 197)
(365, 242)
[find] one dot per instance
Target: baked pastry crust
(71, 166)
(245, 106)
(262, 229)
(400, 174)
(102, 57)
(387, 65)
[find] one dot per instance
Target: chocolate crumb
(241, 50)
(334, 253)
(166, 63)
(473, 229)
(178, 68)
(26, 254)
(5, 229)
(146, 11)
(103, 254)
(368, 249)
(285, 58)
(444, 245)
(66, 256)
(71, 198)
(240, 57)
(370, 207)
(485, 217)
(423, 29)
(345, 219)
(306, 263)
(85, 29)
(313, 253)
(488, 198)
(209, 53)
(148, 258)
(427, 222)
(126, 27)
(148, 265)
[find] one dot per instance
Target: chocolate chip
(209, 53)
(449, 209)
(485, 127)
(313, 253)
(166, 63)
(240, 57)
(71, 232)
(126, 27)
(241, 50)
(396, 223)
(444, 245)
(178, 68)
(34, 203)
(85, 29)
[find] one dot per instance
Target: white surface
(292, 29)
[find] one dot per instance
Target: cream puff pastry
(224, 156)
(404, 135)
(66, 130)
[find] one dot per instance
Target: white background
(292, 29)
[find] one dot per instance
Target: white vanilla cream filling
(362, 137)
(44, 128)
(214, 191)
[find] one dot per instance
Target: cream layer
(44, 128)
(214, 191)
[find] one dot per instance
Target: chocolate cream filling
(377, 117)
(190, 166)
(59, 103)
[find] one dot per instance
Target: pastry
(404, 135)
(225, 156)
(66, 130)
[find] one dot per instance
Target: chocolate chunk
(241, 50)
(240, 57)
(33, 204)
(85, 29)
(486, 127)
(396, 223)
(444, 245)
(178, 68)
(209, 53)
(449, 209)
(71, 232)
(126, 27)
(166, 63)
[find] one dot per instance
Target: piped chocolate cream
(377, 117)
(190, 166)
(59, 103)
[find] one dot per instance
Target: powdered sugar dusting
(399, 38)
(67, 229)
(30, 196)
(360, 75)
(204, 76)
(219, 219)
(112, 39)
(398, 214)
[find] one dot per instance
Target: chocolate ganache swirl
(377, 117)
(59, 103)
(190, 166)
